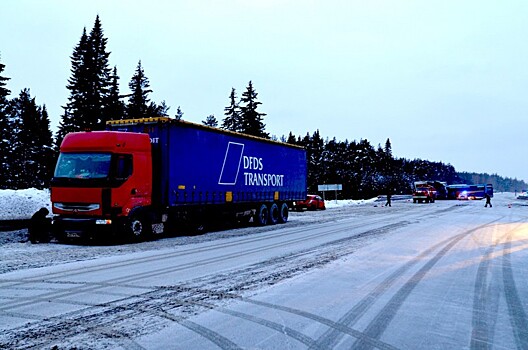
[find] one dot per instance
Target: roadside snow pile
(22, 204)
(348, 202)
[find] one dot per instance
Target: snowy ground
(358, 275)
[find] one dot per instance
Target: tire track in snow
(91, 287)
(331, 337)
(115, 282)
(80, 315)
(94, 286)
(485, 302)
(339, 327)
(382, 320)
(516, 311)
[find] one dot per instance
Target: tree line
(28, 148)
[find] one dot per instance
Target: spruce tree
(73, 118)
(251, 119)
(25, 117)
(154, 110)
(114, 107)
(138, 101)
(44, 152)
(89, 85)
(179, 114)
(100, 78)
(5, 131)
(232, 120)
(210, 121)
(291, 139)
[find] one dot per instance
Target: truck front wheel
(137, 228)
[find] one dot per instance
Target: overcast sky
(443, 80)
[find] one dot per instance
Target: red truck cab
(424, 193)
(101, 180)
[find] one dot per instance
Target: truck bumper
(85, 228)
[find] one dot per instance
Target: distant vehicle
(439, 186)
(312, 202)
(424, 193)
(465, 192)
(523, 195)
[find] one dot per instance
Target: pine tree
(251, 119)
(25, 119)
(138, 100)
(45, 154)
(210, 121)
(100, 77)
(5, 131)
(89, 85)
(75, 110)
(114, 107)
(154, 110)
(388, 148)
(179, 114)
(291, 139)
(232, 114)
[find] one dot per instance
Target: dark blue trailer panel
(195, 164)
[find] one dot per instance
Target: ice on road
(446, 275)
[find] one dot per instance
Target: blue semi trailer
(162, 175)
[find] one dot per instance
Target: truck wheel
(262, 216)
(284, 212)
(274, 214)
(137, 228)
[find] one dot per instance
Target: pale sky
(444, 80)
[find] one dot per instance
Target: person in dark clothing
(39, 227)
(488, 200)
(389, 197)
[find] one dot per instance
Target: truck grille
(77, 207)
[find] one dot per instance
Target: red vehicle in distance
(424, 193)
(312, 202)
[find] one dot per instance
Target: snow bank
(348, 202)
(21, 204)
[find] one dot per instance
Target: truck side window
(123, 166)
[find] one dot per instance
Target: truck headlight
(103, 222)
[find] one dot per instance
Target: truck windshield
(83, 165)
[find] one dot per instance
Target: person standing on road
(39, 227)
(389, 197)
(488, 200)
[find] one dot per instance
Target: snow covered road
(443, 275)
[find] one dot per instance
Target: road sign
(334, 187)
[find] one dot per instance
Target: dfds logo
(253, 166)
(232, 159)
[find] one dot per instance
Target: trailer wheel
(284, 212)
(274, 214)
(262, 215)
